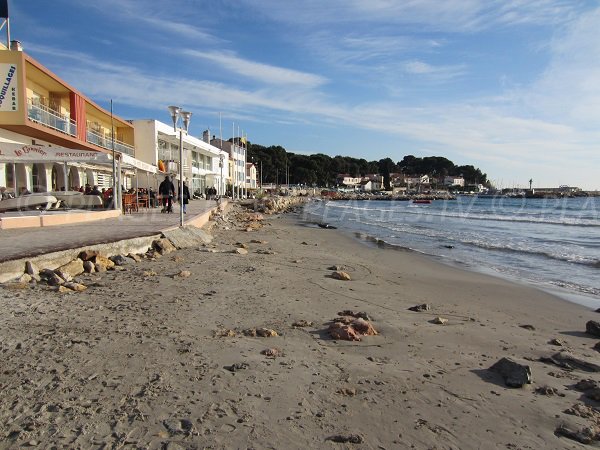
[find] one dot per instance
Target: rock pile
(351, 326)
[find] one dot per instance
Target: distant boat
(422, 201)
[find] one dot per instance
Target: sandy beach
(153, 357)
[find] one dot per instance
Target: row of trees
(322, 170)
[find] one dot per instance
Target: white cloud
(264, 73)
(447, 15)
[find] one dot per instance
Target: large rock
(593, 328)
(51, 278)
(88, 267)
(343, 332)
(119, 260)
(72, 268)
(513, 373)
(163, 246)
(31, 268)
(102, 261)
(88, 255)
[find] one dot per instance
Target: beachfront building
(37, 108)
(348, 181)
(251, 177)
(454, 181)
(236, 150)
(157, 143)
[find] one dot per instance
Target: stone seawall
(274, 205)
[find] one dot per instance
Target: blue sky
(510, 86)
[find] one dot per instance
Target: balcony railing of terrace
(51, 118)
(94, 137)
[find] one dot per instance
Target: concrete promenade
(30, 242)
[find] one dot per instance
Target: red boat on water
(422, 201)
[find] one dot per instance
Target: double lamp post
(176, 114)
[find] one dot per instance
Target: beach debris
(327, 226)
(355, 314)
(581, 410)
(513, 373)
(262, 251)
(258, 241)
(590, 388)
(346, 439)
(449, 246)
(16, 286)
(31, 268)
(77, 287)
(528, 327)
(586, 435)
(88, 255)
(88, 267)
(364, 327)
(149, 273)
(260, 332)
(348, 392)
(343, 332)
(340, 275)
(237, 366)
(569, 362)
(63, 290)
(224, 332)
(135, 257)
(72, 268)
(439, 321)
(50, 277)
(103, 262)
(303, 243)
(240, 251)
(176, 426)
(241, 245)
(302, 323)
(266, 332)
(24, 278)
(337, 267)
(119, 260)
(163, 246)
(183, 274)
(557, 342)
(593, 327)
(420, 308)
(272, 352)
(548, 391)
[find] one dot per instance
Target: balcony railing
(93, 137)
(51, 118)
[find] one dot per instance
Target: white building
(203, 164)
(237, 162)
(454, 181)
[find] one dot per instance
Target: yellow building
(38, 108)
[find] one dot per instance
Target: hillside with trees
(322, 170)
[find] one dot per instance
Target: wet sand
(147, 359)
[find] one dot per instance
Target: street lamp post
(221, 158)
(185, 116)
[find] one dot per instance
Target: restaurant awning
(23, 153)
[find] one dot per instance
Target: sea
(553, 244)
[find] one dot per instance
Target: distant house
(416, 180)
(454, 181)
(347, 180)
(370, 185)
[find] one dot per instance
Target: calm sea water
(552, 243)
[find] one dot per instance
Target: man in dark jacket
(185, 198)
(167, 190)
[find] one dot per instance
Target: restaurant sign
(9, 92)
(10, 152)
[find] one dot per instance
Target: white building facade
(204, 166)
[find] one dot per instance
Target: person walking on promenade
(185, 197)
(167, 190)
